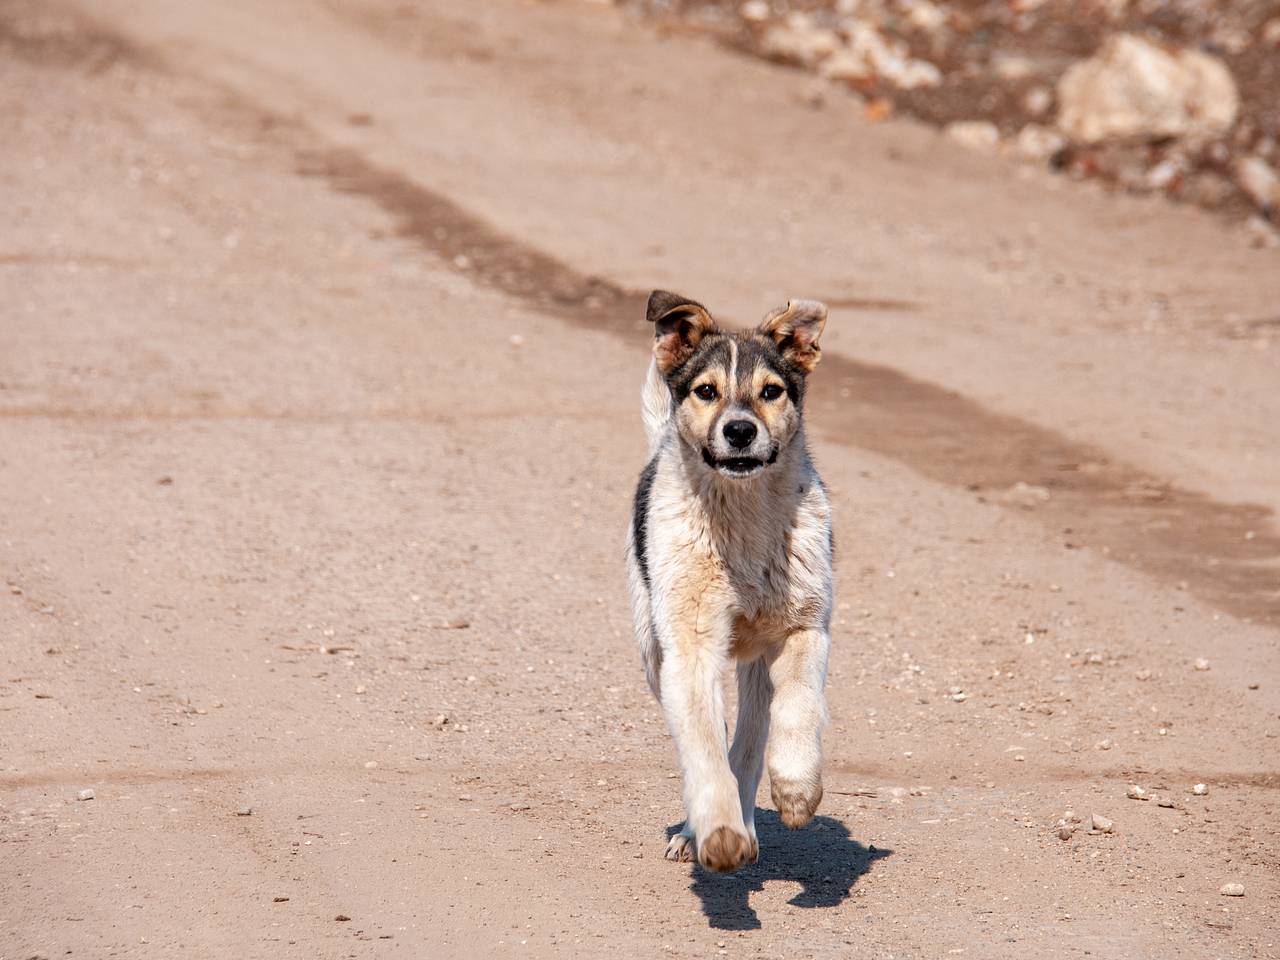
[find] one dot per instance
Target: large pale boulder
(1132, 87)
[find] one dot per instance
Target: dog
(729, 557)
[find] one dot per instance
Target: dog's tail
(655, 403)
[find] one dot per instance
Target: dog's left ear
(679, 324)
(796, 328)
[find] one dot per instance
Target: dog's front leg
(797, 715)
(693, 662)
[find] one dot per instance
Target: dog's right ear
(679, 324)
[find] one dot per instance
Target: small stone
(1010, 66)
(245, 812)
(1064, 833)
(1142, 675)
(755, 11)
(439, 720)
(1201, 663)
(1166, 803)
(1232, 890)
(1106, 744)
(1261, 233)
(959, 697)
(86, 794)
(1257, 178)
(1025, 495)
(517, 807)
(279, 899)
(1038, 143)
(1037, 101)
(370, 764)
(342, 918)
(360, 689)
(516, 340)
(1101, 823)
(1135, 792)
(978, 135)
(799, 40)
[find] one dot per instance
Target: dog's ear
(796, 328)
(679, 324)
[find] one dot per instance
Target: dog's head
(738, 396)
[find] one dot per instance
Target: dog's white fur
(737, 570)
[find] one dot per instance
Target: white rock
(1260, 181)
(1201, 663)
(976, 135)
(799, 40)
(1232, 890)
(86, 794)
(1026, 495)
(1261, 233)
(754, 10)
(1010, 66)
(1135, 792)
(1200, 789)
(867, 53)
(1102, 824)
(1038, 143)
(1133, 87)
(1037, 101)
(925, 15)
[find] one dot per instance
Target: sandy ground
(320, 351)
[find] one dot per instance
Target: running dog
(729, 558)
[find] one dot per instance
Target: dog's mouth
(737, 467)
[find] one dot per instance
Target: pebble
(983, 137)
(360, 690)
(86, 794)
(1036, 142)
(245, 812)
(342, 918)
(1201, 663)
(1135, 792)
(1104, 744)
(1200, 790)
(1232, 890)
(370, 764)
(1025, 495)
(1064, 833)
(1259, 181)
(1102, 824)
(1037, 101)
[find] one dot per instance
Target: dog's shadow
(822, 857)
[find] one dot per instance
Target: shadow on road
(822, 858)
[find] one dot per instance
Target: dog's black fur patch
(640, 518)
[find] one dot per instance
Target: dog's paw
(680, 848)
(796, 801)
(725, 850)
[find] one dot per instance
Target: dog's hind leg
(746, 756)
(692, 665)
(798, 714)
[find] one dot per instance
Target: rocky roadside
(1172, 97)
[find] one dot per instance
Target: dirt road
(320, 353)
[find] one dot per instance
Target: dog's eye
(706, 392)
(771, 391)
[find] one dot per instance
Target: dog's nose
(739, 433)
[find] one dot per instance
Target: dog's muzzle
(738, 468)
